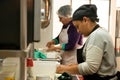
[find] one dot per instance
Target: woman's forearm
(72, 69)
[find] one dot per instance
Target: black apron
(80, 60)
(79, 51)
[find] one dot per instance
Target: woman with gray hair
(68, 39)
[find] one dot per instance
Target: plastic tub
(7, 75)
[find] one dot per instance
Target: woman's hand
(61, 69)
(54, 48)
(51, 48)
(50, 43)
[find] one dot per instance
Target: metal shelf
(22, 54)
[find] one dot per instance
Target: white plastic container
(43, 77)
(9, 67)
(45, 68)
(7, 75)
(8, 71)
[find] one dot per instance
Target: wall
(113, 20)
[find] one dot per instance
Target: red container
(29, 62)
